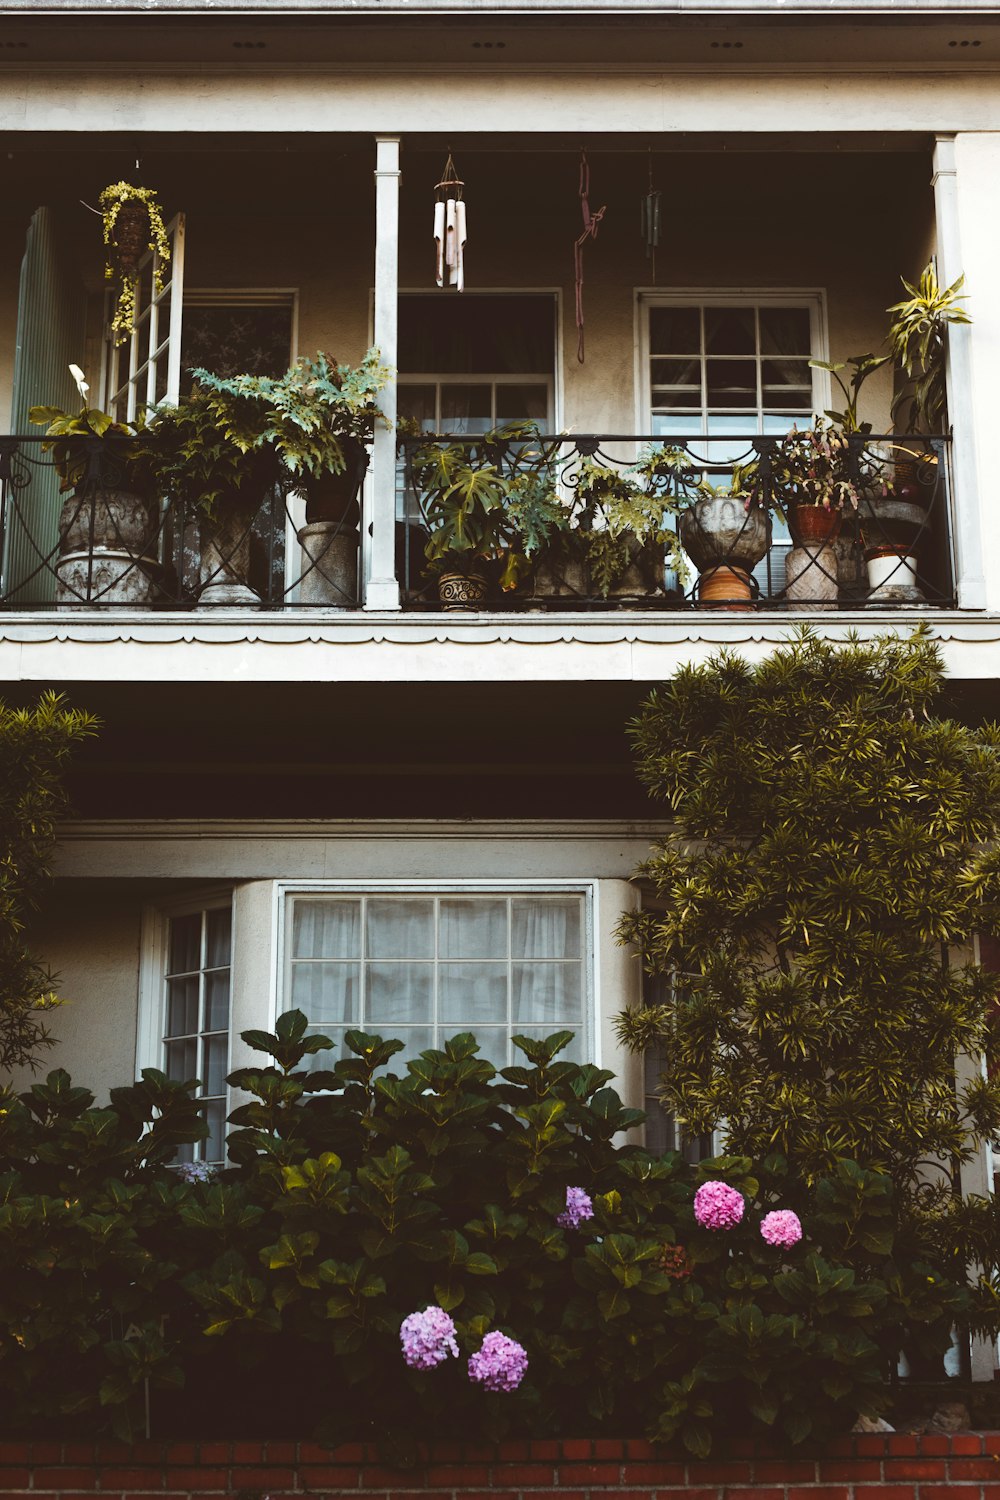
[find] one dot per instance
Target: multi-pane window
(424, 967)
(738, 367)
(196, 1016)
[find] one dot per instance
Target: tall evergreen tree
(812, 913)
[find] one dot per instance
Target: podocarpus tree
(35, 746)
(834, 852)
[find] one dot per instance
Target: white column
(959, 251)
(381, 586)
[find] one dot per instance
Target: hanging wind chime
(449, 228)
(591, 224)
(649, 218)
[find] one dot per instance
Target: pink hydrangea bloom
(781, 1227)
(427, 1338)
(500, 1363)
(718, 1206)
(578, 1208)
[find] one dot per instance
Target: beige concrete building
(392, 814)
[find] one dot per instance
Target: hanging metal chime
(649, 218)
(449, 229)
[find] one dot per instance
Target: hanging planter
(133, 224)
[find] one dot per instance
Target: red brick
(640, 1448)
(148, 1451)
(948, 1492)
(591, 1474)
(315, 1453)
(916, 1468)
(683, 1494)
(719, 1473)
(975, 1468)
(934, 1443)
(262, 1479)
(819, 1492)
(148, 1478)
(653, 1473)
(181, 1453)
(375, 1478)
(414, 1495)
(990, 1491)
(545, 1448)
(200, 1478)
(15, 1453)
(282, 1453)
(461, 1476)
(755, 1494)
(15, 1479)
(113, 1453)
(525, 1474)
(870, 1445)
(22, 1495)
(214, 1453)
(609, 1448)
(851, 1469)
(576, 1448)
(248, 1453)
(316, 1477)
(65, 1479)
(515, 1450)
(883, 1492)
(481, 1453)
(785, 1471)
(900, 1444)
(46, 1453)
(975, 1442)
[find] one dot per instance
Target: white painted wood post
(966, 519)
(381, 585)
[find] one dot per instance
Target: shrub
(358, 1198)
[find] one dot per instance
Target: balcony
(522, 523)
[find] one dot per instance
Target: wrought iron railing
(573, 522)
(99, 544)
(710, 523)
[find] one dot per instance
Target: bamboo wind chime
(449, 228)
(591, 224)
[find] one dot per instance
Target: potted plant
(726, 531)
(812, 477)
(624, 523)
(318, 419)
(133, 223)
(463, 496)
(108, 521)
(917, 340)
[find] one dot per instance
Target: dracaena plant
(918, 339)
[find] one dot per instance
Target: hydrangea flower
(718, 1206)
(195, 1171)
(578, 1208)
(781, 1227)
(500, 1364)
(427, 1338)
(676, 1263)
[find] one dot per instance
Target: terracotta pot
(725, 588)
(813, 525)
(130, 236)
(461, 590)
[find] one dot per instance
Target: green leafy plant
(78, 449)
(917, 339)
(210, 451)
(464, 493)
(815, 465)
(115, 198)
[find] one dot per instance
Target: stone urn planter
(329, 567)
(812, 579)
(721, 532)
(224, 567)
(107, 548)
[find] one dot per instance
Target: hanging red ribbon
(591, 224)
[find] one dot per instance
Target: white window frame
(649, 297)
(591, 1040)
(150, 1050)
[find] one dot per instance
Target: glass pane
(549, 993)
(784, 330)
(182, 1060)
(493, 1042)
(684, 425)
(678, 398)
(675, 372)
(400, 927)
(473, 929)
(185, 944)
(522, 403)
(476, 334)
(235, 340)
(326, 929)
(466, 409)
(730, 330)
(399, 994)
(218, 938)
(418, 403)
(572, 1052)
(674, 330)
(215, 1065)
(546, 928)
(732, 382)
(327, 992)
(182, 1006)
(416, 1039)
(321, 1062)
(217, 1000)
(472, 993)
(214, 1148)
(786, 372)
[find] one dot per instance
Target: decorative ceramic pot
(107, 549)
(461, 590)
(892, 576)
(719, 529)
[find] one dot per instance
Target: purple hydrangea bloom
(782, 1227)
(500, 1363)
(578, 1208)
(718, 1206)
(195, 1171)
(427, 1338)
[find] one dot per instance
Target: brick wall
(898, 1466)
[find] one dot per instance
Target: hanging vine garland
(133, 224)
(449, 228)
